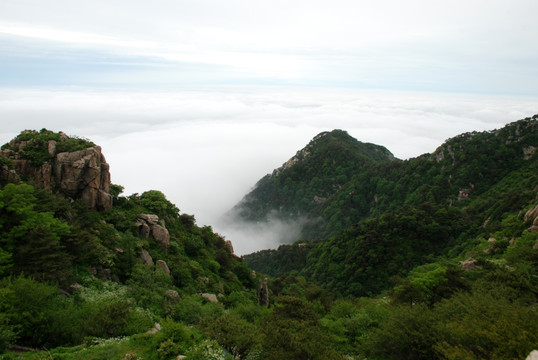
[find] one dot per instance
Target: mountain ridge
(462, 180)
(328, 152)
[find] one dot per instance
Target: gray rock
(82, 174)
(172, 294)
(469, 264)
(146, 257)
(161, 234)
(210, 297)
(161, 264)
(533, 355)
(149, 224)
(151, 219)
(156, 328)
(143, 228)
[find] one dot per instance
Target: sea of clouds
(206, 147)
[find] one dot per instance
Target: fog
(205, 148)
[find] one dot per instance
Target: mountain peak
(312, 175)
(73, 166)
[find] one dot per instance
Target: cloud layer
(205, 148)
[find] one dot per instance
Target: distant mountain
(310, 178)
(391, 216)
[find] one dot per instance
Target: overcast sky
(200, 99)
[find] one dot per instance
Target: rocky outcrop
(229, 246)
(210, 297)
(528, 152)
(146, 258)
(533, 355)
(161, 264)
(149, 224)
(469, 264)
(531, 217)
(156, 328)
(82, 174)
(172, 294)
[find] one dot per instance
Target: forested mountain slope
(77, 259)
(308, 179)
(394, 216)
(451, 270)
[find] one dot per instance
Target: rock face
(229, 246)
(82, 174)
(146, 258)
(531, 216)
(148, 224)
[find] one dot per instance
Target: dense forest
(434, 257)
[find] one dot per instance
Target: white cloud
(205, 148)
(455, 46)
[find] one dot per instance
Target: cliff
(73, 167)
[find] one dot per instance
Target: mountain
(310, 178)
(445, 246)
(79, 260)
(390, 217)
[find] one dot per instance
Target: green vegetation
(401, 268)
(395, 216)
(313, 175)
(34, 146)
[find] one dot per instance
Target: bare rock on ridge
(82, 174)
(149, 224)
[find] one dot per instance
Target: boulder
(172, 294)
(161, 264)
(161, 234)
(151, 219)
(156, 328)
(469, 264)
(146, 257)
(533, 355)
(149, 224)
(531, 214)
(532, 217)
(76, 287)
(210, 297)
(143, 228)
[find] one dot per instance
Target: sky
(200, 99)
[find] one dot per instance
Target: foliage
(292, 331)
(71, 278)
(36, 145)
(315, 173)
(32, 238)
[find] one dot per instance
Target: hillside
(445, 246)
(309, 178)
(79, 260)
(391, 217)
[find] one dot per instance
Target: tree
(33, 237)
